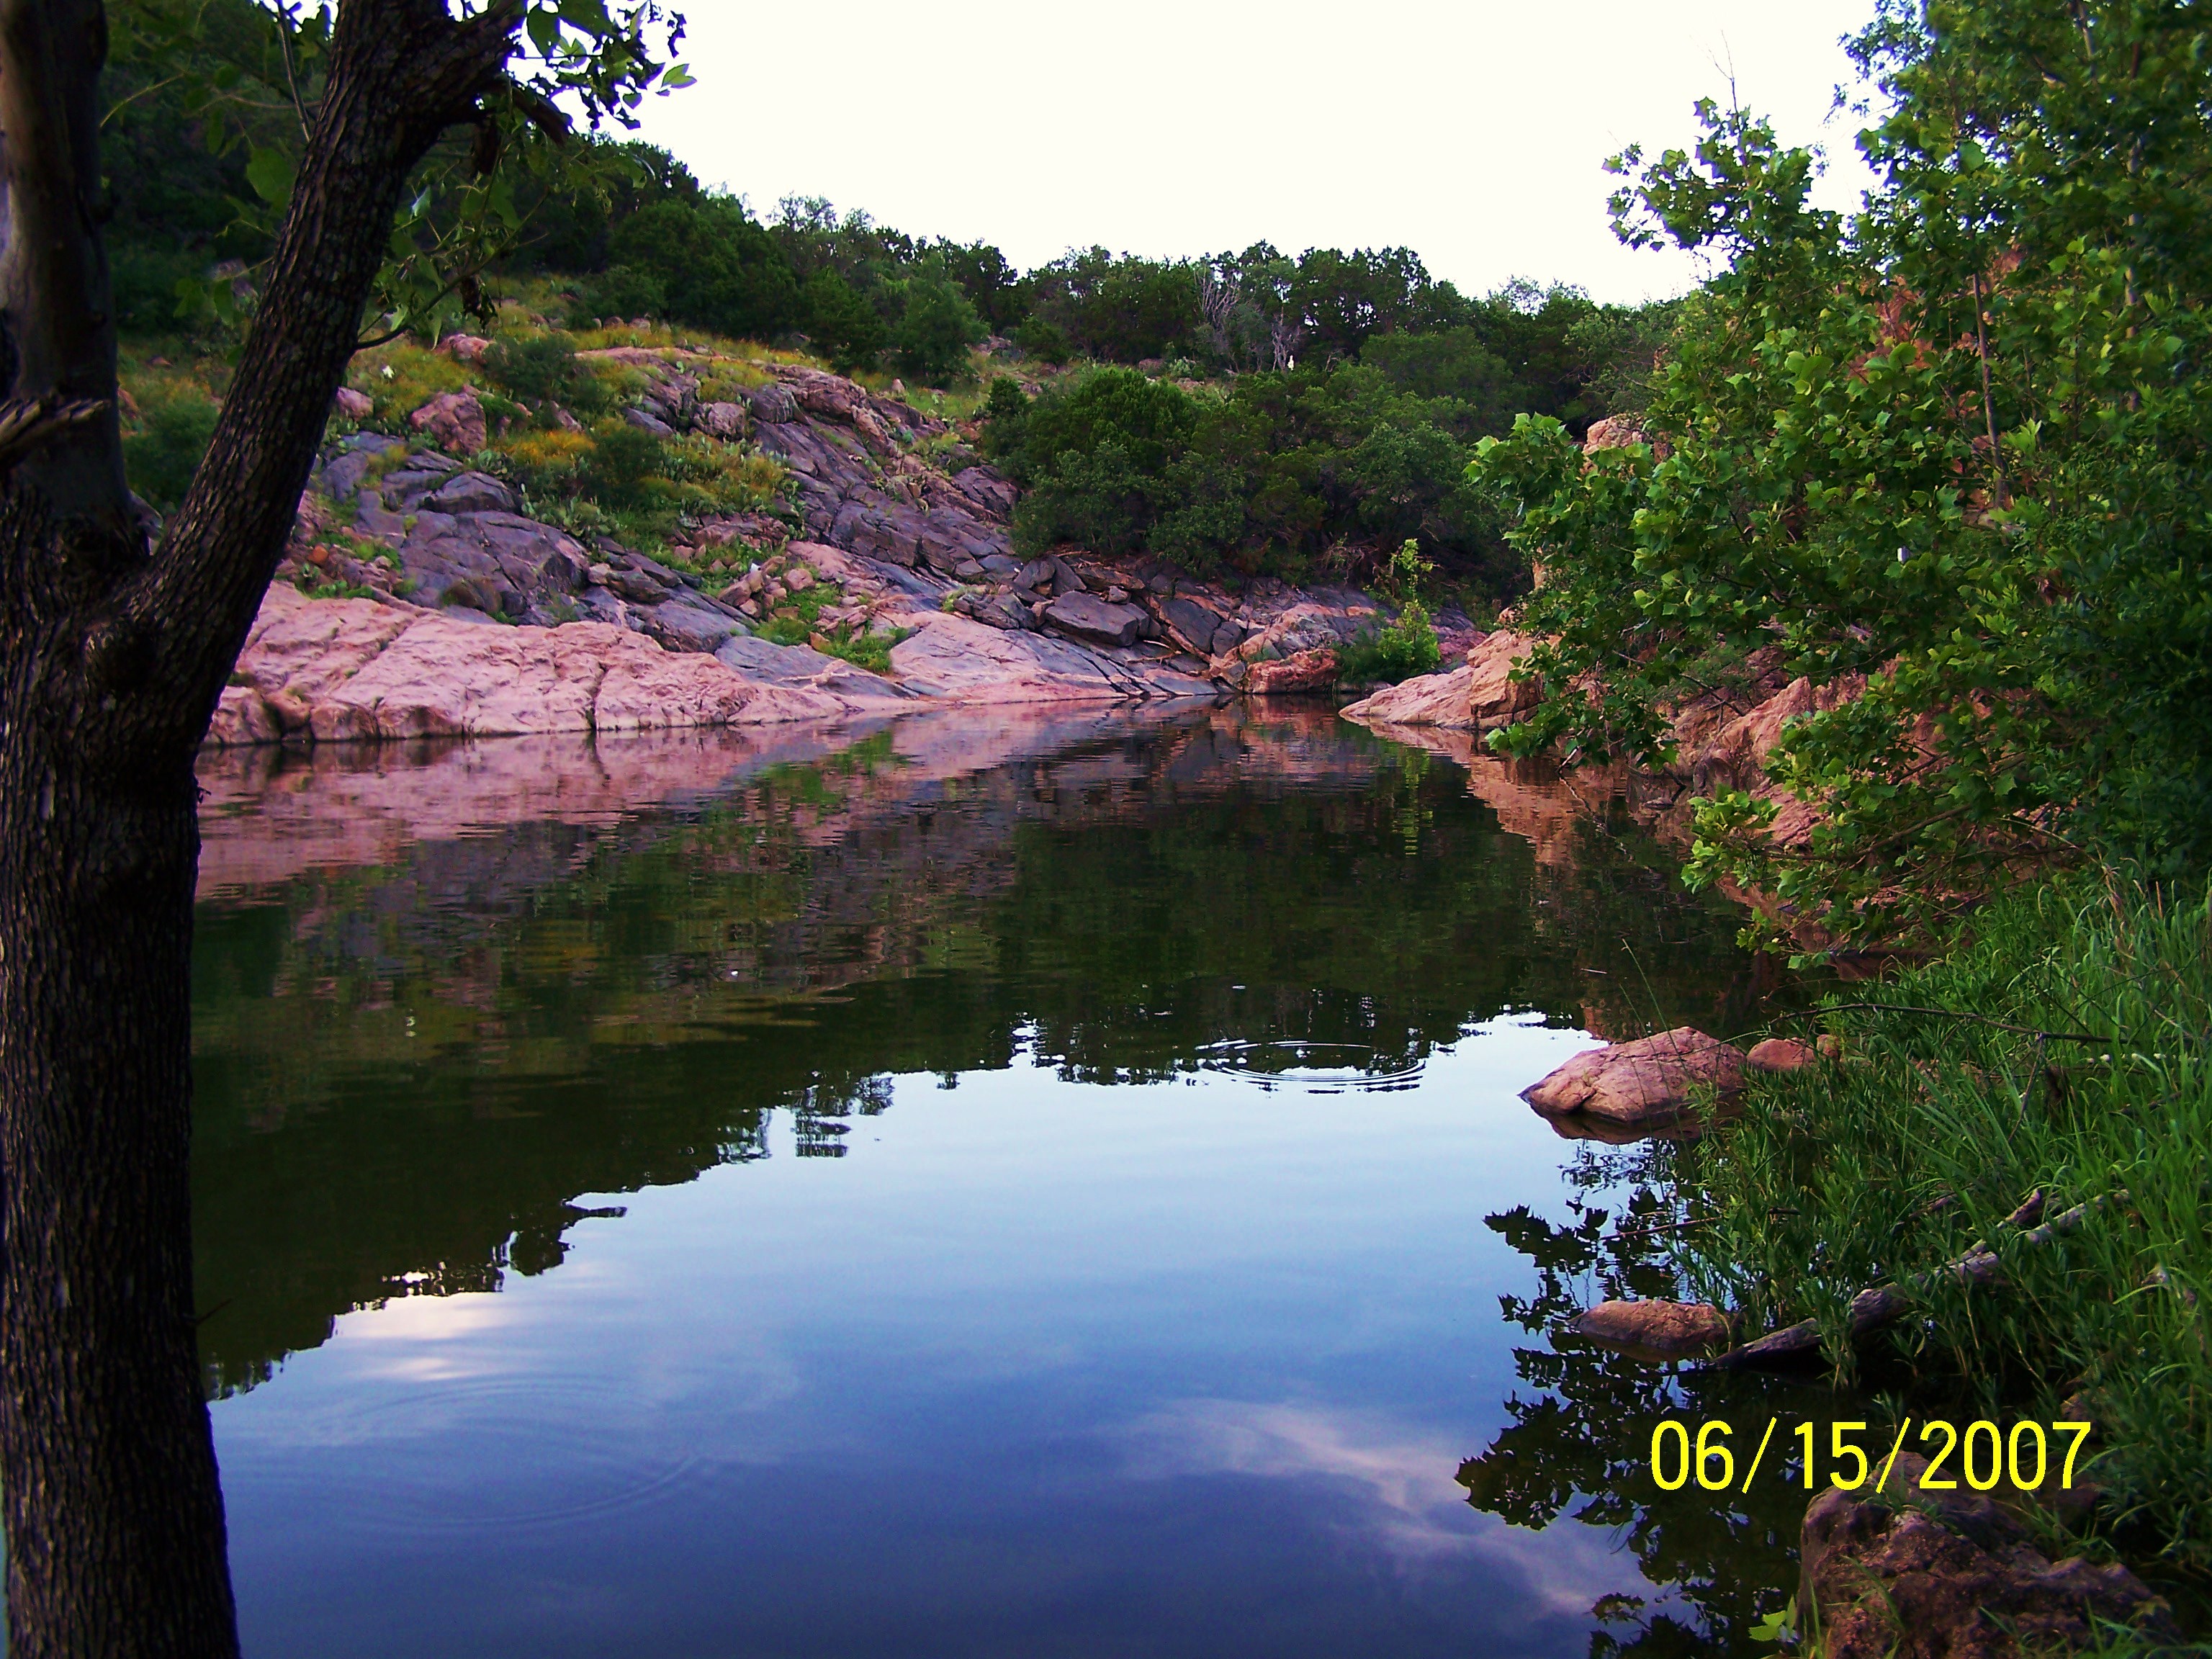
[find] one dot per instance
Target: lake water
(987, 1186)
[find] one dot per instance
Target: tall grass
(1936, 1124)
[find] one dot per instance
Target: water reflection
(1579, 1446)
(1171, 1064)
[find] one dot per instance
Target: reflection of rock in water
(441, 995)
(1578, 1447)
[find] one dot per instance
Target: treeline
(1302, 412)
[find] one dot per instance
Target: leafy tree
(1043, 341)
(112, 655)
(1117, 308)
(992, 286)
(844, 325)
(717, 268)
(935, 328)
(1955, 445)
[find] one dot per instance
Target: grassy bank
(1938, 1123)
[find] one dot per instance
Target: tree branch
(401, 72)
(29, 423)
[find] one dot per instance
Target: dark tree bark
(112, 656)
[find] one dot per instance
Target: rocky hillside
(424, 594)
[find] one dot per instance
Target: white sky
(1473, 132)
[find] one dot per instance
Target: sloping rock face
(1949, 1574)
(958, 658)
(1648, 1083)
(337, 668)
(887, 536)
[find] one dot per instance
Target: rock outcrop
(1647, 1084)
(331, 669)
(1779, 1055)
(1479, 695)
(890, 528)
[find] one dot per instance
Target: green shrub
(623, 462)
(1404, 648)
(936, 327)
(626, 291)
(844, 326)
(543, 368)
(1044, 340)
(161, 458)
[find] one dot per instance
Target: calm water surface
(1026, 1187)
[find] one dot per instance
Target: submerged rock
(1646, 1083)
(1949, 1574)
(1655, 1329)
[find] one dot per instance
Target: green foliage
(1407, 646)
(1402, 649)
(543, 368)
(1117, 308)
(162, 455)
(844, 326)
(1044, 340)
(246, 82)
(1281, 469)
(936, 326)
(1940, 1120)
(626, 291)
(715, 267)
(2018, 574)
(868, 650)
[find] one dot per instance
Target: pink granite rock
(1479, 695)
(1655, 1329)
(454, 421)
(1649, 1082)
(1308, 671)
(334, 670)
(1782, 1054)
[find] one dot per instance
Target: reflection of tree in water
(1580, 1446)
(408, 1071)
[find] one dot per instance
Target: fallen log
(1882, 1305)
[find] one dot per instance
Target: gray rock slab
(1091, 618)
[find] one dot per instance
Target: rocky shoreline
(465, 615)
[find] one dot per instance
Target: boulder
(1308, 671)
(1655, 1329)
(1646, 1083)
(723, 421)
(1948, 1575)
(464, 348)
(987, 488)
(1089, 619)
(1782, 1054)
(352, 405)
(772, 404)
(645, 422)
(471, 492)
(454, 421)
(1192, 624)
(1613, 432)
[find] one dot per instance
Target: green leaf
(270, 172)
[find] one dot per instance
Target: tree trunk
(114, 1516)
(112, 659)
